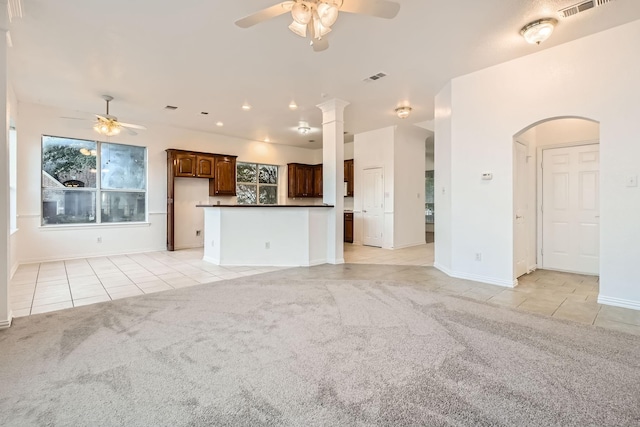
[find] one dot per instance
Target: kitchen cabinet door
(205, 167)
(224, 181)
(185, 165)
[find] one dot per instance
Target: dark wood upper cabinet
(302, 180)
(317, 181)
(205, 167)
(224, 183)
(185, 164)
(348, 177)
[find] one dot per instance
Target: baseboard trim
(476, 277)
(409, 245)
(64, 258)
(5, 324)
(619, 302)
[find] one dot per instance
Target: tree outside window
(257, 184)
(86, 182)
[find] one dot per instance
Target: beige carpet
(298, 348)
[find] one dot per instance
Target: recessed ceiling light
(219, 124)
(267, 139)
(293, 105)
(246, 107)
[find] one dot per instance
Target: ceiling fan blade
(101, 117)
(73, 118)
(129, 125)
(264, 14)
(380, 8)
(130, 131)
(320, 45)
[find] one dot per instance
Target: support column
(5, 266)
(333, 175)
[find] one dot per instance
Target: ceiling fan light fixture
(301, 13)
(327, 13)
(319, 30)
(403, 112)
(538, 31)
(298, 29)
(107, 128)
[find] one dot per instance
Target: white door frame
(539, 185)
(530, 213)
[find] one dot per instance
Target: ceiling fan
(109, 125)
(314, 18)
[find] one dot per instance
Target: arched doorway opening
(556, 196)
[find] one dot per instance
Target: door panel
(571, 204)
(372, 207)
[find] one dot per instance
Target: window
(88, 182)
(257, 184)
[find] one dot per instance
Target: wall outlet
(267, 245)
(478, 256)
(99, 239)
(198, 232)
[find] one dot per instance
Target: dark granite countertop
(264, 206)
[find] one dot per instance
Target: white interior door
(520, 208)
(571, 209)
(372, 206)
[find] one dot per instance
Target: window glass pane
(246, 172)
(61, 206)
(268, 195)
(247, 194)
(120, 206)
(123, 166)
(68, 163)
(268, 174)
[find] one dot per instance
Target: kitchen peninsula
(266, 235)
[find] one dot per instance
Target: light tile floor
(415, 255)
(40, 288)
(50, 286)
(550, 293)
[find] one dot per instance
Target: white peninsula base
(283, 235)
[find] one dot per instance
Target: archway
(565, 235)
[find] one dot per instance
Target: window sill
(13, 231)
(59, 227)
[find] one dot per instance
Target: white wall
(409, 188)
(442, 181)
(594, 77)
(36, 243)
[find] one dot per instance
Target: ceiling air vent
(170, 107)
(581, 7)
(375, 77)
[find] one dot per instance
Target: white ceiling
(188, 53)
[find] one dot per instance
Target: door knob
(518, 217)
(364, 211)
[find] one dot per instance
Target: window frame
(98, 190)
(257, 184)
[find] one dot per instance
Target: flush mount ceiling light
(303, 128)
(293, 105)
(403, 112)
(246, 107)
(538, 31)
